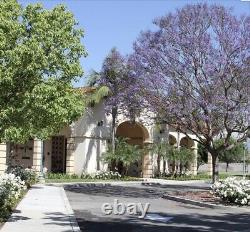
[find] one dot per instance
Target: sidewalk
(44, 208)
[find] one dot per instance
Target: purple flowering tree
(195, 72)
(112, 76)
(123, 95)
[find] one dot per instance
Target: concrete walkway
(44, 208)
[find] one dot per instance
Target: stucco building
(79, 147)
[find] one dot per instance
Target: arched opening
(172, 140)
(189, 144)
(136, 134)
(186, 142)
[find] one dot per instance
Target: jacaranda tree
(40, 57)
(195, 71)
(118, 77)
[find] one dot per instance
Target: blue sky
(117, 23)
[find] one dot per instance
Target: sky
(117, 23)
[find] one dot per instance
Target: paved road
(87, 200)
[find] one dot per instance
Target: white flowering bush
(29, 176)
(11, 189)
(102, 175)
(233, 190)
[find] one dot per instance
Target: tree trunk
(114, 114)
(181, 168)
(215, 172)
(159, 166)
(227, 165)
(164, 167)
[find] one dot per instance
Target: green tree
(40, 58)
(124, 155)
(181, 157)
(234, 154)
(202, 157)
(162, 150)
(99, 91)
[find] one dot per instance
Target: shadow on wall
(86, 127)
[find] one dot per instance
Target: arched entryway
(190, 144)
(136, 134)
(187, 143)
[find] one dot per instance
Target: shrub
(233, 190)
(105, 175)
(65, 176)
(11, 189)
(124, 155)
(29, 176)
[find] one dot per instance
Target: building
(78, 148)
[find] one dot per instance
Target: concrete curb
(201, 204)
(146, 181)
(99, 183)
(72, 219)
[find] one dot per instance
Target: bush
(233, 190)
(29, 176)
(11, 189)
(102, 175)
(65, 176)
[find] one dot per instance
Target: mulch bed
(202, 196)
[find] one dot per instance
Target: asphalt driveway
(163, 215)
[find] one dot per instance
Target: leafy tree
(180, 156)
(125, 154)
(40, 57)
(162, 150)
(234, 154)
(195, 69)
(100, 91)
(202, 157)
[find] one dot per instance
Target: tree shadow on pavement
(113, 191)
(59, 219)
(180, 223)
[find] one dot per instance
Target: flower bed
(13, 185)
(29, 176)
(233, 190)
(11, 189)
(88, 177)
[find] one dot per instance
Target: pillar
(3, 157)
(194, 164)
(70, 156)
(147, 164)
(37, 154)
(209, 164)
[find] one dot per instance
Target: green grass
(66, 178)
(88, 180)
(202, 176)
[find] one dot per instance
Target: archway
(136, 134)
(172, 140)
(186, 142)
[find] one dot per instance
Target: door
(58, 154)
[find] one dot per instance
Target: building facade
(78, 148)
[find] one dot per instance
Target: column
(70, 156)
(209, 164)
(3, 157)
(37, 154)
(147, 164)
(194, 164)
